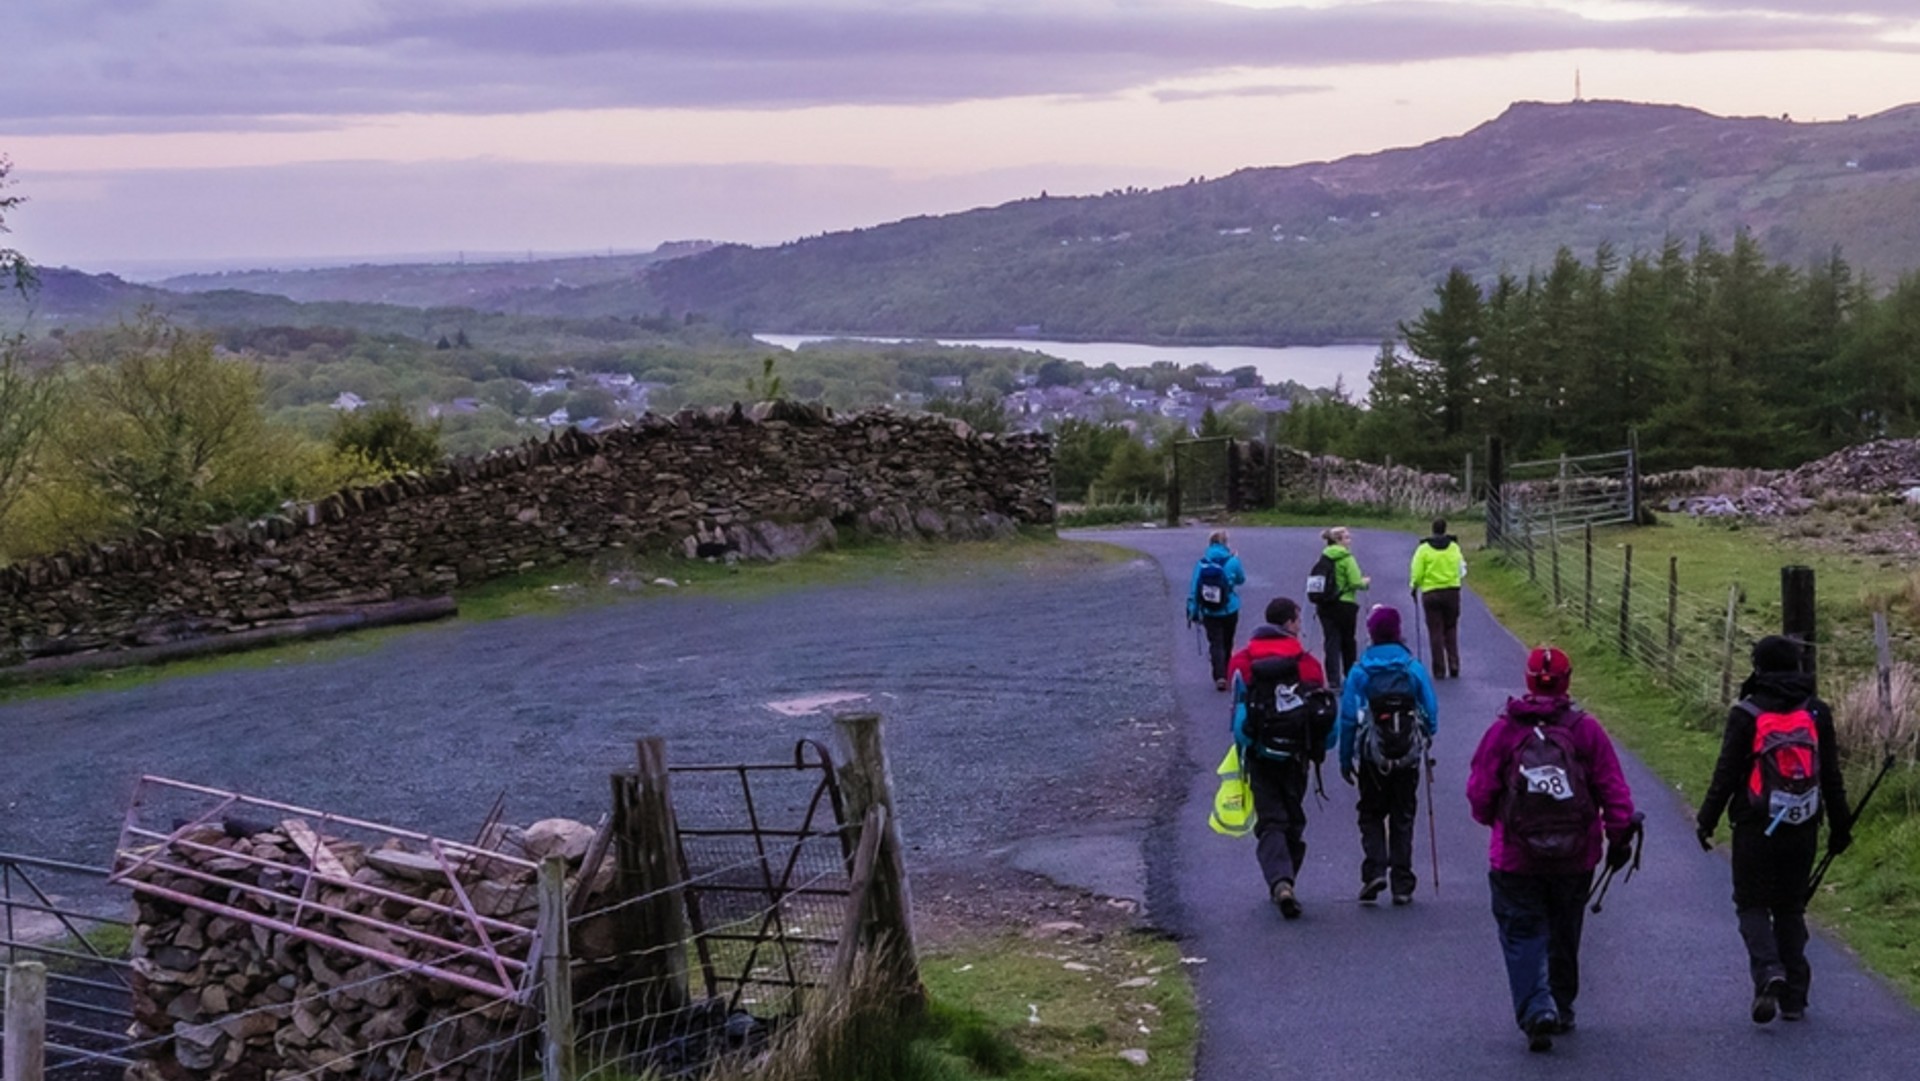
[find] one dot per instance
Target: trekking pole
(1419, 617)
(1433, 831)
(1826, 861)
(1636, 837)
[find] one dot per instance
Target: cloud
(165, 65)
(1169, 97)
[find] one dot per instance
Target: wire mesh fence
(1691, 629)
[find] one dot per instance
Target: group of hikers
(1544, 777)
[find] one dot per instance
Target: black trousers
(1220, 634)
(1339, 630)
(1770, 900)
(1279, 831)
(1442, 608)
(1389, 803)
(1540, 918)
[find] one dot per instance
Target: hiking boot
(1284, 900)
(1564, 1026)
(1540, 1032)
(1219, 684)
(1767, 1003)
(1371, 892)
(1402, 899)
(1793, 1013)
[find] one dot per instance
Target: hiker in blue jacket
(1213, 598)
(1388, 715)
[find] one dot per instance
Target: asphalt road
(1364, 992)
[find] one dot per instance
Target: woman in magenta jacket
(1539, 901)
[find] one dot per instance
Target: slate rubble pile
(1882, 467)
(216, 996)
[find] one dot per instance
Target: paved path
(1355, 991)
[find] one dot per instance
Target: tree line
(1715, 357)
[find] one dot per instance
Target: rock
(1136, 983)
(1134, 1055)
(411, 866)
(557, 837)
(198, 1047)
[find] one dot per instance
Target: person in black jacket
(1772, 854)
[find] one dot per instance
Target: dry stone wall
(762, 483)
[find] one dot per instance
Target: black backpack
(1285, 721)
(1391, 735)
(1212, 588)
(1548, 806)
(1323, 581)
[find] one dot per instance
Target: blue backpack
(1212, 589)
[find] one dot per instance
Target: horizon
(296, 139)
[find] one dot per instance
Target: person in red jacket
(1277, 777)
(1546, 778)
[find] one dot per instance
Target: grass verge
(1871, 898)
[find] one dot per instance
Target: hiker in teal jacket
(1388, 686)
(1340, 617)
(1221, 616)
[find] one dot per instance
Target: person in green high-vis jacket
(1439, 567)
(1340, 617)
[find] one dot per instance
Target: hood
(1532, 709)
(1440, 542)
(1219, 552)
(1267, 632)
(1777, 691)
(1387, 655)
(1334, 551)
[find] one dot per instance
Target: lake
(1311, 365)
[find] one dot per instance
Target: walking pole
(1419, 618)
(1433, 831)
(1826, 861)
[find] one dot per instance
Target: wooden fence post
(556, 973)
(1496, 493)
(866, 781)
(1673, 612)
(652, 923)
(1883, 662)
(1553, 540)
(1726, 665)
(1586, 608)
(1466, 482)
(1796, 614)
(1626, 603)
(1173, 487)
(26, 1024)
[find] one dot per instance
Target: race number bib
(1791, 809)
(1316, 584)
(1212, 595)
(1549, 781)
(1286, 699)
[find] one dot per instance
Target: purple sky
(151, 133)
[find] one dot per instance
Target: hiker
(1439, 566)
(1213, 598)
(1546, 778)
(1388, 715)
(1282, 723)
(1777, 777)
(1334, 585)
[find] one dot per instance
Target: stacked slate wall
(777, 480)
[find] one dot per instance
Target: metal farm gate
(63, 916)
(1557, 495)
(1203, 477)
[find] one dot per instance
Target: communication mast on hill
(1576, 84)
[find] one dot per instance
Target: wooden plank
(316, 850)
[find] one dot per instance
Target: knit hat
(1777, 653)
(1282, 611)
(1383, 623)
(1548, 671)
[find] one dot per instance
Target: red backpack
(1784, 783)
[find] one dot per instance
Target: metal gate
(1556, 495)
(1203, 478)
(768, 865)
(58, 914)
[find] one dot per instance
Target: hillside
(497, 286)
(1334, 250)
